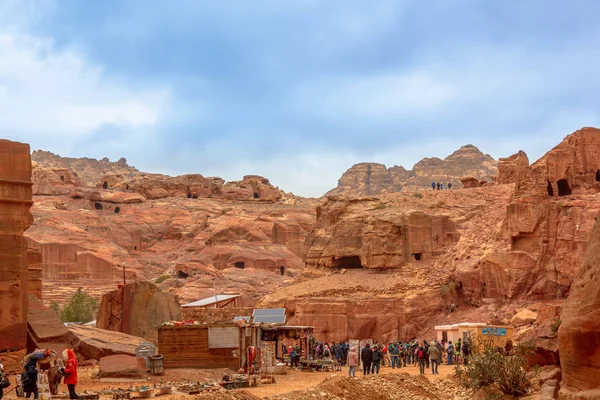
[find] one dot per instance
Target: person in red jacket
(70, 372)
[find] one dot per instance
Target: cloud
(56, 98)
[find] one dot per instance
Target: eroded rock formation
(579, 332)
(368, 179)
(137, 309)
(365, 233)
(15, 219)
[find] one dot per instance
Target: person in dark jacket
(377, 357)
(366, 357)
(426, 348)
(32, 373)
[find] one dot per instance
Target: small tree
(81, 308)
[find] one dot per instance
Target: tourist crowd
(396, 354)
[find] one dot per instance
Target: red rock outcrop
(365, 233)
(368, 179)
(470, 182)
(137, 309)
(579, 332)
(88, 170)
(53, 181)
(548, 229)
(15, 219)
(45, 330)
(513, 169)
(156, 186)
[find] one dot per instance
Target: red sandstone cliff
(15, 218)
(579, 333)
(367, 179)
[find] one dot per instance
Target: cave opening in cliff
(349, 262)
(117, 210)
(98, 206)
(282, 270)
(182, 275)
(105, 185)
(256, 195)
(598, 175)
(62, 178)
(550, 189)
(563, 187)
(240, 265)
(418, 256)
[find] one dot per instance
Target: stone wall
(15, 218)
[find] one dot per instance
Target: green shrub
(81, 308)
(490, 368)
(162, 278)
(418, 195)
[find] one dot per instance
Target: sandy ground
(293, 380)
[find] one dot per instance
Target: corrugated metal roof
(211, 300)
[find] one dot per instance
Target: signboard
(223, 337)
(493, 331)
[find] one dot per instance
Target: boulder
(94, 343)
(45, 330)
(549, 372)
(523, 317)
(550, 390)
(579, 332)
(470, 182)
(122, 366)
(147, 307)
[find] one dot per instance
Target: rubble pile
(380, 387)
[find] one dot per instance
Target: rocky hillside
(93, 216)
(369, 179)
(387, 266)
(88, 170)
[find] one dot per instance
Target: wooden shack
(200, 346)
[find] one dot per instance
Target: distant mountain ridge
(374, 178)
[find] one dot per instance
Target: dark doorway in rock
(550, 189)
(563, 187)
(126, 186)
(182, 275)
(282, 270)
(135, 247)
(347, 262)
(418, 256)
(98, 206)
(105, 185)
(62, 178)
(256, 195)
(598, 175)
(240, 265)
(117, 210)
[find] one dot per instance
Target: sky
(295, 90)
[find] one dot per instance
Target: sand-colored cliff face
(368, 179)
(15, 219)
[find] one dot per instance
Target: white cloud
(54, 97)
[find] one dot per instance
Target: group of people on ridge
(440, 185)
